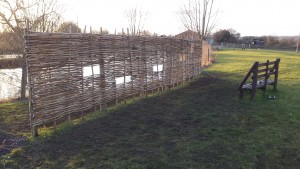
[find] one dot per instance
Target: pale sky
(249, 17)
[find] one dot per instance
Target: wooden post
(194, 59)
(34, 130)
(55, 124)
(164, 68)
(102, 83)
(276, 73)
(82, 84)
(102, 92)
(157, 60)
(190, 60)
(67, 100)
(254, 83)
(130, 62)
(93, 84)
(144, 67)
(208, 56)
(199, 64)
(183, 61)
(24, 68)
(114, 77)
(92, 66)
(69, 118)
(24, 77)
(266, 77)
(140, 73)
(247, 76)
(170, 66)
(241, 93)
(124, 70)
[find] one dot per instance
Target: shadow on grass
(13, 122)
(201, 125)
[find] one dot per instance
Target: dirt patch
(9, 143)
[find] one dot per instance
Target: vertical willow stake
(34, 131)
(102, 76)
(82, 86)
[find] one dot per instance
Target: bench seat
(259, 84)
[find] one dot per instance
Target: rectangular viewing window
(87, 70)
(157, 68)
(120, 80)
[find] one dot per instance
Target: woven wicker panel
(73, 73)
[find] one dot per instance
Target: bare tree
(12, 20)
(199, 16)
(11, 14)
(136, 19)
(38, 15)
(44, 15)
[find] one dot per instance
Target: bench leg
(264, 91)
(275, 87)
(253, 94)
(241, 93)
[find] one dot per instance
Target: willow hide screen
(73, 73)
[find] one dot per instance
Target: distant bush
(10, 63)
(69, 27)
(9, 43)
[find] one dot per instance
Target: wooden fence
(75, 73)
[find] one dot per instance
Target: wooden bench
(261, 77)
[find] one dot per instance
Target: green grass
(13, 118)
(199, 125)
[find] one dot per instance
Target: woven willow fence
(75, 73)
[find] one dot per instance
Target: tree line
(283, 42)
(275, 42)
(12, 43)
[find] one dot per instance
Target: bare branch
(136, 20)
(197, 15)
